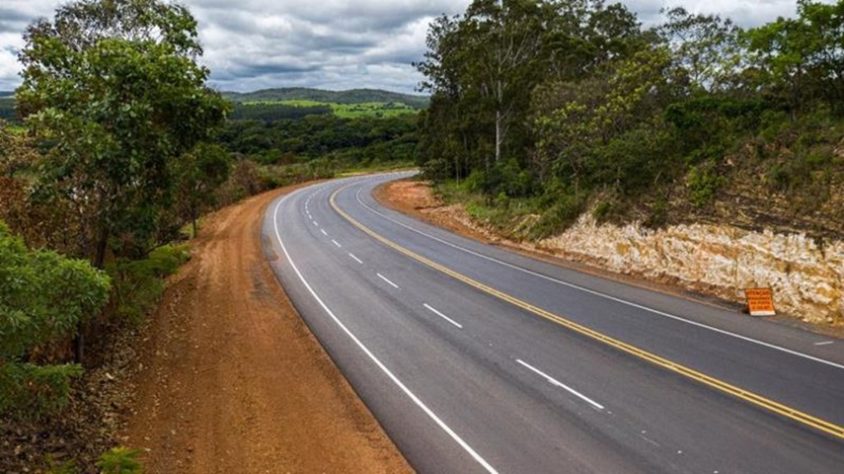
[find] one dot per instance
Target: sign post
(760, 301)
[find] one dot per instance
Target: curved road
(476, 359)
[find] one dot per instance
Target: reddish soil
(233, 380)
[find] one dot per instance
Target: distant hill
(7, 109)
(352, 96)
(7, 93)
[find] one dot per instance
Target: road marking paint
(336, 243)
(565, 387)
(603, 295)
(316, 223)
(416, 400)
(650, 441)
(746, 395)
(387, 280)
(355, 258)
(824, 343)
(433, 310)
(324, 232)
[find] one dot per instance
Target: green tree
(801, 60)
(198, 173)
(483, 67)
(704, 47)
(575, 119)
(114, 88)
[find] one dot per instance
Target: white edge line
(387, 280)
(355, 258)
(463, 444)
(433, 310)
(336, 243)
(606, 296)
(565, 387)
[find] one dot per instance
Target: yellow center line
(746, 395)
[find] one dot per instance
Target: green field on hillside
(365, 109)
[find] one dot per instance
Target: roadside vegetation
(110, 152)
(543, 110)
(356, 110)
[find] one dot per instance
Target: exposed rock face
(807, 279)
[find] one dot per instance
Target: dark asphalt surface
(465, 382)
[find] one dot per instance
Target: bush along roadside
(43, 297)
(55, 414)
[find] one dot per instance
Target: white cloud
(336, 44)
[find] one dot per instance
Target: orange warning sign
(760, 301)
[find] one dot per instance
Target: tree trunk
(79, 344)
(102, 246)
(497, 135)
(498, 100)
(99, 263)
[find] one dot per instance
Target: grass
(15, 128)
(139, 284)
(357, 170)
(366, 109)
(514, 218)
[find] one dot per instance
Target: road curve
(476, 359)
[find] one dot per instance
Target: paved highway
(477, 359)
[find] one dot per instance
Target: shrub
(35, 391)
(120, 460)
(138, 284)
(43, 299)
(564, 212)
(602, 211)
(703, 183)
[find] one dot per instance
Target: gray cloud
(337, 44)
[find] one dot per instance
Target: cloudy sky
(332, 44)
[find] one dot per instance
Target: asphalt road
(476, 359)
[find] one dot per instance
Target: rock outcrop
(807, 277)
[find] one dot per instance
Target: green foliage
(115, 88)
(607, 108)
(61, 467)
(563, 212)
(7, 109)
(353, 96)
(298, 108)
(801, 60)
(703, 182)
(29, 391)
(120, 460)
(272, 111)
(361, 142)
(43, 297)
(139, 284)
(197, 174)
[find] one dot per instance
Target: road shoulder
(415, 199)
(233, 380)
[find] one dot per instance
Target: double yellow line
(753, 398)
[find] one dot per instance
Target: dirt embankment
(232, 379)
(711, 262)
